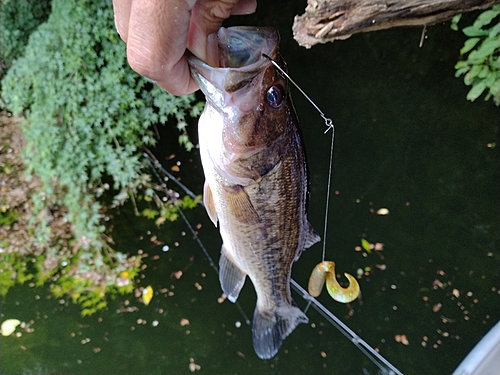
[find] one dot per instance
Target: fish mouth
(241, 63)
(243, 46)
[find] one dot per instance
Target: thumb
(206, 19)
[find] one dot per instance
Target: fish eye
(275, 96)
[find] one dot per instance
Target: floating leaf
(147, 295)
(9, 326)
(366, 245)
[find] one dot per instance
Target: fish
(325, 271)
(256, 187)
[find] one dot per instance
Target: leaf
(366, 245)
(469, 44)
(461, 71)
(474, 31)
(491, 78)
(486, 17)
(484, 72)
(149, 213)
(495, 88)
(494, 31)
(454, 22)
(476, 91)
(476, 69)
(87, 312)
(485, 49)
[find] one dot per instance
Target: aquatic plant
(481, 53)
(87, 115)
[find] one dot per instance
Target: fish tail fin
(271, 327)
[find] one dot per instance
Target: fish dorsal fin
(208, 201)
(312, 236)
(240, 206)
(230, 276)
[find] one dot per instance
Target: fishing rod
(155, 163)
(383, 364)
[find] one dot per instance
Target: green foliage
(87, 112)
(87, 116)
(18, 19)
(169, 210)
(481, 68)
(13, 268)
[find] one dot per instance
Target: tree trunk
(327, 20)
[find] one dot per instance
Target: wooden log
(327, 20)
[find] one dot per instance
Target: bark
(327, 20)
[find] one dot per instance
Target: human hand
(158, 32)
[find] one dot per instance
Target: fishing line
(328, 121)
(327, 205)
(329, 124)
(157, 164)
(385, 366)
(247, 321)
(153, 162)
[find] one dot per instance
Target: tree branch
(327, 20)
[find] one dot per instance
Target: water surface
(406, 140)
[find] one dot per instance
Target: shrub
(18, 19)
(481, 68)
(87, 116)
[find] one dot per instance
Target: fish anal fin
(208, 201)
(271, 327)
(240, 205)
(230, 276)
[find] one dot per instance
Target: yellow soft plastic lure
(147, 295)
(325, 271)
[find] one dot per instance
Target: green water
(406, 140)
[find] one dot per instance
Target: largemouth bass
(256, 179)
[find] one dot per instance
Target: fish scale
(256, 186)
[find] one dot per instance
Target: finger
(121, 10)
(156, 42)
(244, 7)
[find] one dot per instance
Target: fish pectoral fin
(240, 205)
(230, 276)
(208, 201)
(312, 236)
(271, 327)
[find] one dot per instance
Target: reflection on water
(406, 140)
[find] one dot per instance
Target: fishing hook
(328, 121)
